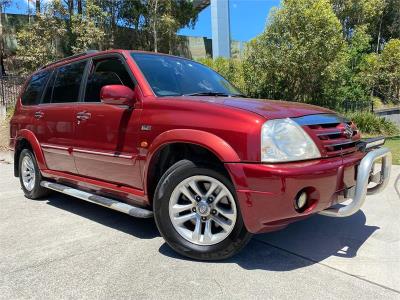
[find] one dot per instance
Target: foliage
(155, 22)
(371, 124)
(38, 42)
(301, 49)
(321, 52)
(390, 71)
(380, 17)
(231, 69)
(68, 27)
(353, 13)
(85, 29)
(381, 72)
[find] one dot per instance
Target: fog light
(301, 200)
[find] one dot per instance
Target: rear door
(30, 99)
(56, 116)
(107, 135)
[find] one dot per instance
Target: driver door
(107, 135)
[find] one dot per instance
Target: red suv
(151, 134)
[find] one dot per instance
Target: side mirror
(117, 95)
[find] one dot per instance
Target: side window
(48, 93)
(106, 72)
(34, 89)
(67, 83)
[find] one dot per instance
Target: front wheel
(197, 213)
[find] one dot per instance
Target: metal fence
(10, 87)
(351, 106)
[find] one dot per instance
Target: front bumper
(266, 192)
(365, 174)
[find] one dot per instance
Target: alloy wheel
(28, 173)
(202, 210)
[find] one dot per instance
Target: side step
(100, 200)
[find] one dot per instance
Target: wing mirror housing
(117, 95)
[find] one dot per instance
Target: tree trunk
(79, 7)
(2, 69)
(37, 7)
(378, 40)
(113, 24)
(70, 8)
(155, 25)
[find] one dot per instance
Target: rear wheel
(197, 213)
(29, 176)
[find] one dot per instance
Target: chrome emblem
(348, 132)
(146, 127)
(202, 209)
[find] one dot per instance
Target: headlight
(284, 140)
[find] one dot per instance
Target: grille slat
(331, 133)
(328, 133)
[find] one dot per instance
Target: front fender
(207, 140)
(33, 141)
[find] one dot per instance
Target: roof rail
(70, 57)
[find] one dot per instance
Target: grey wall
(390, 114)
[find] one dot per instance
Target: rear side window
(106, 72)
(34, 89)
(67, 83)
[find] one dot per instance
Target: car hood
(270, 109)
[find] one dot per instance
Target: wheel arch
(26, 139)
(174, 145)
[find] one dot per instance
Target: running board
(100, 200)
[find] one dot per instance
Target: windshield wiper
(217, 94)
(238, 95)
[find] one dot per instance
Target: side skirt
(100, 200)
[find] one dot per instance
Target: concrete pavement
(61, 247)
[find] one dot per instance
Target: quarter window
(68, 82)
(34, 89)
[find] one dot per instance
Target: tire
(29, 176)
(220, 233)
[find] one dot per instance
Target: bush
(371, 124)
(229, 68)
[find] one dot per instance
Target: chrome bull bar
(364, 177)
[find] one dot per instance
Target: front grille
(333, 134)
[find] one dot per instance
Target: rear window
(34, 89)
(67, 83)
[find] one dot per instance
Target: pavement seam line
(325, 265)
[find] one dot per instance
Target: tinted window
(34, 89)
(67, 83)
(106, 72)
(49, 88)
(169, 76)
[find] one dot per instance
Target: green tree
(38, 42)
(388, 25)
(155, 22)
(231, 69)
(389, 84)
(3, 5)
(301, 49)
(86, 30)
(353, 13)
(353, 87)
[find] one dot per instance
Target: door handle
(83, 115)
(38, 115)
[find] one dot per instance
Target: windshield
(173, 76)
